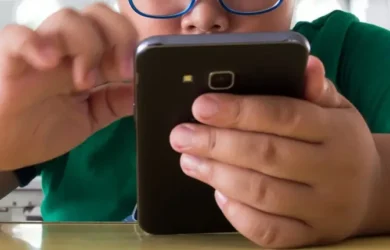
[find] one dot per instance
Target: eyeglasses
(164, 9)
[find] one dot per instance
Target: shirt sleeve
(364, 73)
(26, 175)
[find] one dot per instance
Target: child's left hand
(288, 172)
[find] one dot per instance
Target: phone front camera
(221, 80)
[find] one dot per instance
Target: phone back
(170, 74)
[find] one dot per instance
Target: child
(287, 172)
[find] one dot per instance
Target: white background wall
(372, 11)
(378, 13)
(6, 11)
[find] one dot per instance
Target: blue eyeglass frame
(192, 5)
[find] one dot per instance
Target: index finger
(81, 42)
(282, 116)
(120, 37)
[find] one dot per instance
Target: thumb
(321, 90)
(108, 103)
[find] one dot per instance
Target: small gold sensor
(188, 78)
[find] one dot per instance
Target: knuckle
(96, 9)
(237, 114)
(65, 14)
(258, 190)
(267, 236)
(212, 140)
(266, 150)
(266, 233)
(79, 33)
(288, 114)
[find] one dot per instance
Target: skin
(287, 173)
(208, 17)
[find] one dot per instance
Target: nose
(207, 16)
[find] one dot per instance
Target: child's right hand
(50, 101)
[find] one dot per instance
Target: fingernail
(183, 137)
(92, 77)
(208, 107)
(193, 165)
(326, 85)
(127, 65)
(220, 198)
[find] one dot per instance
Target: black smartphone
(171, 72)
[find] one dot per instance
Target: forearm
(378, 216)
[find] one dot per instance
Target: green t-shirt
(97, 181)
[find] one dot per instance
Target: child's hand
(49, 99)
(287, 172)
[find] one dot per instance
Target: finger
(321, 90)
(281, 116)
(266, 230)
(81, 42)
(108, 103)
(271, 155)
(259, 191)
(21, 47)
(120, 37)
